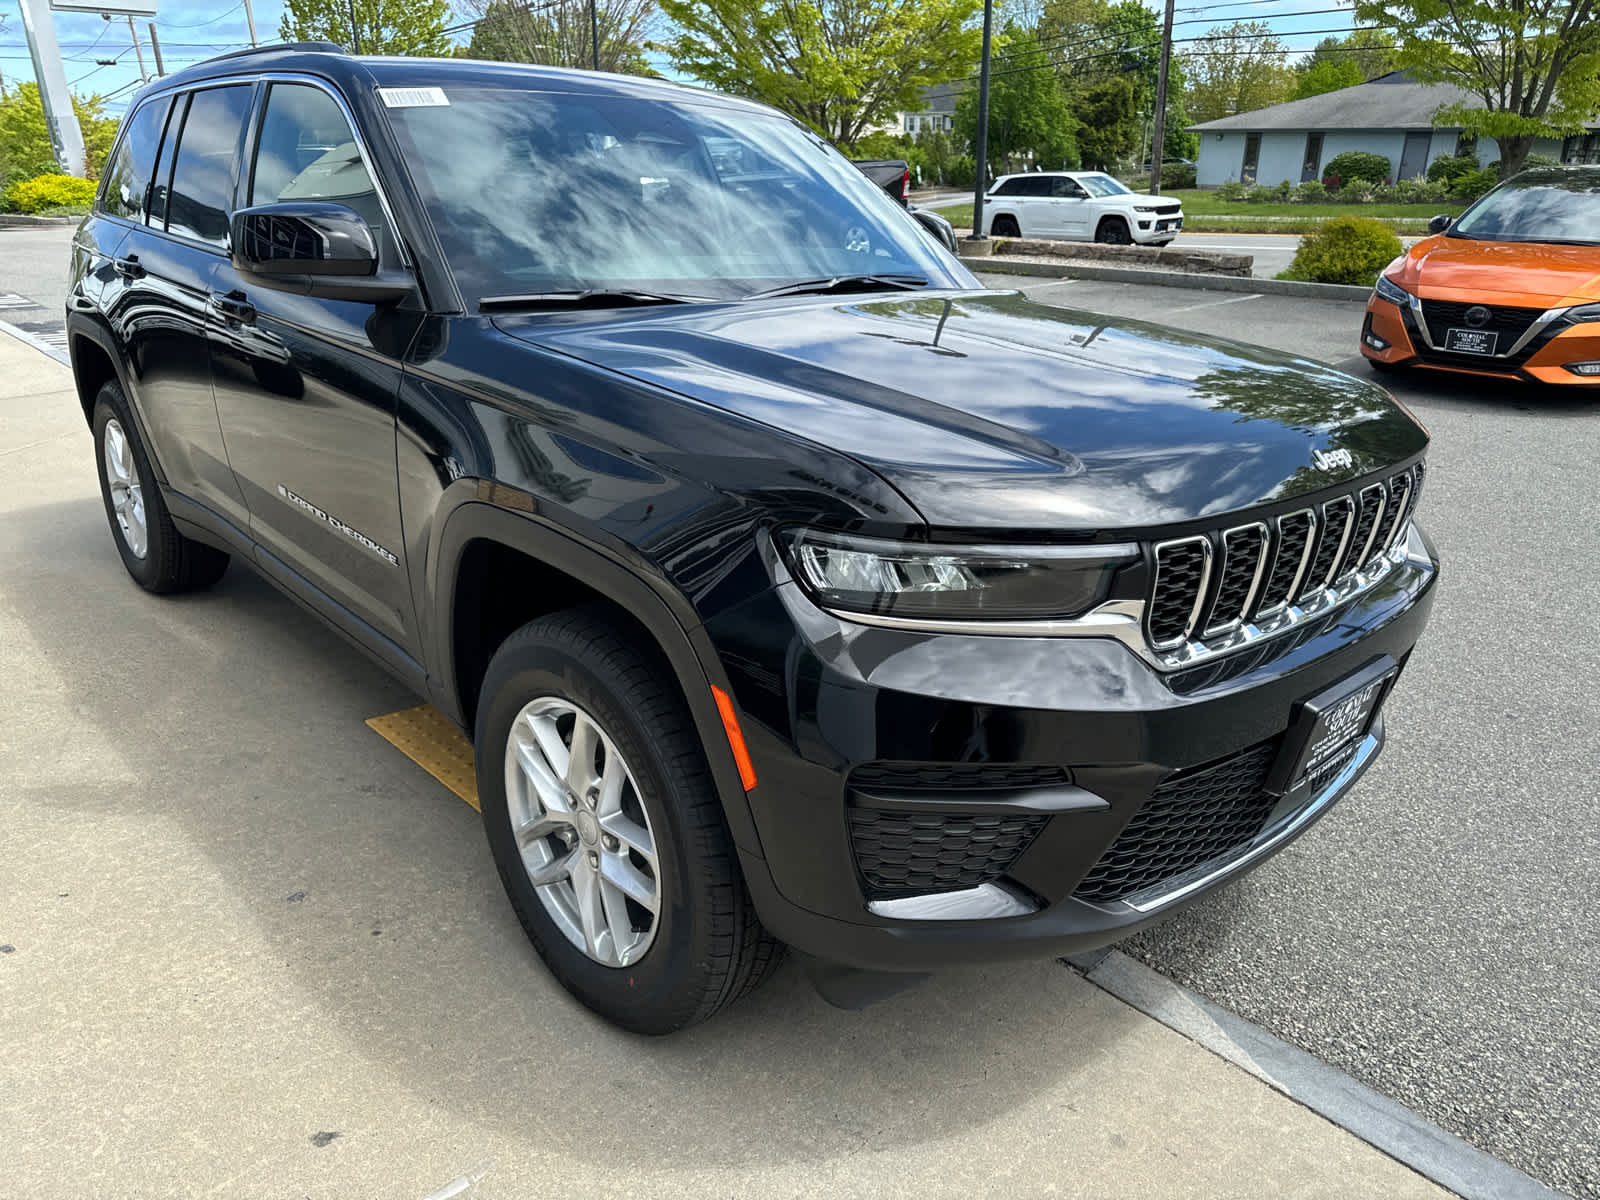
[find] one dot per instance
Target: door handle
(129, 267)
(234, 306)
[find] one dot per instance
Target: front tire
(156, 555)
(1113, 231)
(616, 859)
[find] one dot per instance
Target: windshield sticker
(354, 535)
(414, 97)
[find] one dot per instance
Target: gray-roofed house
(1391, 115)
(938, 110)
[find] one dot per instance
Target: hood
(1524, 274)
(988, 411)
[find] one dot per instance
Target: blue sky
(191, 30)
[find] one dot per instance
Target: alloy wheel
(127, 493)
(582, 830)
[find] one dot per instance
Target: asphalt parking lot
(274, 950)
(1436, 935)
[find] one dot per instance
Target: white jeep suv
(1084, 206)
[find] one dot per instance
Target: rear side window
(1034, 185)
(202, 175)
(128, 175)
(1009, 188)
(307, 151)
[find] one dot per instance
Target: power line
(202, 24)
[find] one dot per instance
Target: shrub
(1177, 175)
(1358, 164)
(1540, 160)
(1451, 168)
(1258, 195)
(1425, 192)
(1232, 190)
(963, 171)
(1346, 249)
(1469, 187)
(1311, 192)
(1357, 191)
(1283, 191)
(48, 191)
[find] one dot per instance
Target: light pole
(980, 152)
(1158, 148)
(594, 34)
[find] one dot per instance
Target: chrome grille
(1247, 577)
(1183, 569)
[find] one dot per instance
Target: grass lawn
(1203, 212)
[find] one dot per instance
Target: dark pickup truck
(792, 587)
(893, 175)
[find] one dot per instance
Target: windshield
(1103, 185)
(1536, 210)
(533, 192)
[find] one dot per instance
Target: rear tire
(1004, 227)
(636, 821)
(1113, 231)
(157, 556)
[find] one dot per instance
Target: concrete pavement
(248, 949)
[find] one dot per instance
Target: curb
(23, 221)
(1382, 1123)
(1182, 279)
(39, 344)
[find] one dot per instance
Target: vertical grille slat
(1238, 577)
(1295, 531)
(1338, 515)
(1183, 571)
(1361, 542)
(1395, 515)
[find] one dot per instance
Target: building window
(1252, 157)
(1467, 144)
(1311, 165)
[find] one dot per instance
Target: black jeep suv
(793, 587)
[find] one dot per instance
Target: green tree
(1027, 110)
(559, 35)
(1108, 123)
(1239, 68)
(1368, 48)
(381, 26)
(1325, 75)
(841, 66)
(1534, 65)
(25, 149)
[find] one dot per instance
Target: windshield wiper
(842, 283)
(584, 298)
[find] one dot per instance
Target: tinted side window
(1009, 188)
(308, 152)
(1035, 185)
(128, 175)
(1062, 186)
(202, 177)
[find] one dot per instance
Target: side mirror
(314, 247)
(1440, 223)
(937, 227)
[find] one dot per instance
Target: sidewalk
(247, 949)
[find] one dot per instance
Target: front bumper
(1155, 227)
(1544, 361)
(824, 701)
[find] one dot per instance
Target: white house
(1391, 115)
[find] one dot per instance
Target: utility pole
(155, 48)
(355, 34)
(981, 150)
(66, 139)
(594, 34)
(250, 20)
(1158, 146)
(144, 76)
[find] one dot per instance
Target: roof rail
(315, 47)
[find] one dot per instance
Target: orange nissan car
(1510, 288)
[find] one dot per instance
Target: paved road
(33, 278)
(1435, 936)
(1438, 935)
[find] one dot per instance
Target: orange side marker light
(730, 725)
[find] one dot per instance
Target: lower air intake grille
(1190, 819)
(955, 777)
(900, 852)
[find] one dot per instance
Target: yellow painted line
(430, 739)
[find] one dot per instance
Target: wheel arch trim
(677, 634)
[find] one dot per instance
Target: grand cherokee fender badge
(355, 535)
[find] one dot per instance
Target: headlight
(916, 581)
(1585, 312)
(1147, 208)
(1391, 291)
